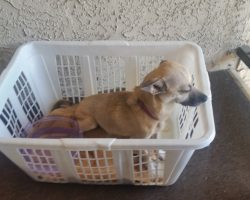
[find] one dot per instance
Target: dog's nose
(203, 98)
(195, 98)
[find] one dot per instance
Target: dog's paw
(158, 155)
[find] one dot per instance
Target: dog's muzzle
(195, 98)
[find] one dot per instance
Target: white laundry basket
(40, 73)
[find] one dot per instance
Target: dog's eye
(157, 87)
(186, 89)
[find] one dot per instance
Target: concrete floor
(221, 171)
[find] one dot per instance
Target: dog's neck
(150, 113)
(152, 105)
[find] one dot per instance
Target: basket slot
(188, 122)
(193, 124)
(148, 167)
(70, 77)
(116, 73)
(94, 166)
(27, 99)
(183, 116)
(41, 163)
(10, 120)
(110, 74)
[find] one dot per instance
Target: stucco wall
(213, 24)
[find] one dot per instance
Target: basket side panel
(40, 162)
(20, 103)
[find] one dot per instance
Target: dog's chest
(165, 111)
(147, 127)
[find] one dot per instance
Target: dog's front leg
(156, 130)
(86, 123)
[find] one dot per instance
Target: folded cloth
(53, 127)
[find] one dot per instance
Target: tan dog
(140, 113)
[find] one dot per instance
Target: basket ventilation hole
(148, 168)
(189, 134)
(110, 74)
(70, 72)
(94, 166)
(27, 99)
(42, 164)
(9, 118)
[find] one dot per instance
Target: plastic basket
(40, 73)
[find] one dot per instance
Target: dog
(140, 113)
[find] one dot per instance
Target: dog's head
(173, 83)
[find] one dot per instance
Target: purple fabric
(55, 131)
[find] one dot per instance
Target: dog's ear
(163, 61)
(154, 87)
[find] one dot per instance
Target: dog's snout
(195, 98)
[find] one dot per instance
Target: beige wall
(213, 24)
